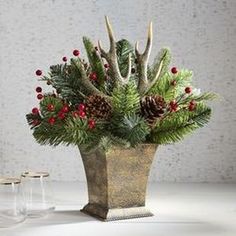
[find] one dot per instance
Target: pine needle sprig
(96, 63)
(126, 99)
(132, 128)
(174, 127)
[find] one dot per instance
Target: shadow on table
(62, 217)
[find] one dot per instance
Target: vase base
(115, 213)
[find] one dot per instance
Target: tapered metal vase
(117, 181)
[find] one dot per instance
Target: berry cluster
(79, 112)
(174, 105)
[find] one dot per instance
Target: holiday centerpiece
(117, 109)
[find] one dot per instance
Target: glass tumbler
(38, 194)
(12, 207)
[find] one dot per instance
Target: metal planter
(117, 181)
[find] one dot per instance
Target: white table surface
(180, 209)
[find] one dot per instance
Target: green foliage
(46, 134)
(174, 127)
(66, 80)
(95, 62)
(123, 49)
(106, 142)
(164, 86)
(165, 56)
(49, 99)
(78, 132)
(208, 96)
(132, 128)
(125, 99)
(71, 131)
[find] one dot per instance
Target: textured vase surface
(117, 181)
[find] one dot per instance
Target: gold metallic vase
(117, 181)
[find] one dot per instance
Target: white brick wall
(201, 34)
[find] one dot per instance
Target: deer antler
(144, 85)
(111, 56)
(91, 89)
(142, 61)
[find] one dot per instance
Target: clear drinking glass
(38, 193)
(12, 207)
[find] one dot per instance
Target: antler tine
(111, 56)
(148, 48)
(136, 49)
(100, 48)
(142, 59)
(110, 34)
(149, 41)
(111, 39)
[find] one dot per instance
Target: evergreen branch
(95, 61)
(49, 99)
(132, 128)
(45, 134)
(106, 142)
(125, 99)
(164, 86)
(71, 131)
(66, 81)
(78, 132)
(174, 127)
(123, 50)
(207, 96)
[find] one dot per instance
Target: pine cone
(152, 107)
(98, 107)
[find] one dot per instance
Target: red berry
(76, 52)
(106, 66)
(40, 96)
(192, 102)
(173, 106)
(82, 114)
(35, 111)
(35, 122)
(81, 106)
(91, 123)
(173, 103)
(173, 83)
(38, 72)
(65, 109)
(191, 107)
(61, 115)
(51, 120)
(174, 70)
(93, 76)
(188, 90)
(50, 107)
(96, 48)
(133, 70)
(38, 89)
(75, 114)
(64, 59)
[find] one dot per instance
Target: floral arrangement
(117, 98)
